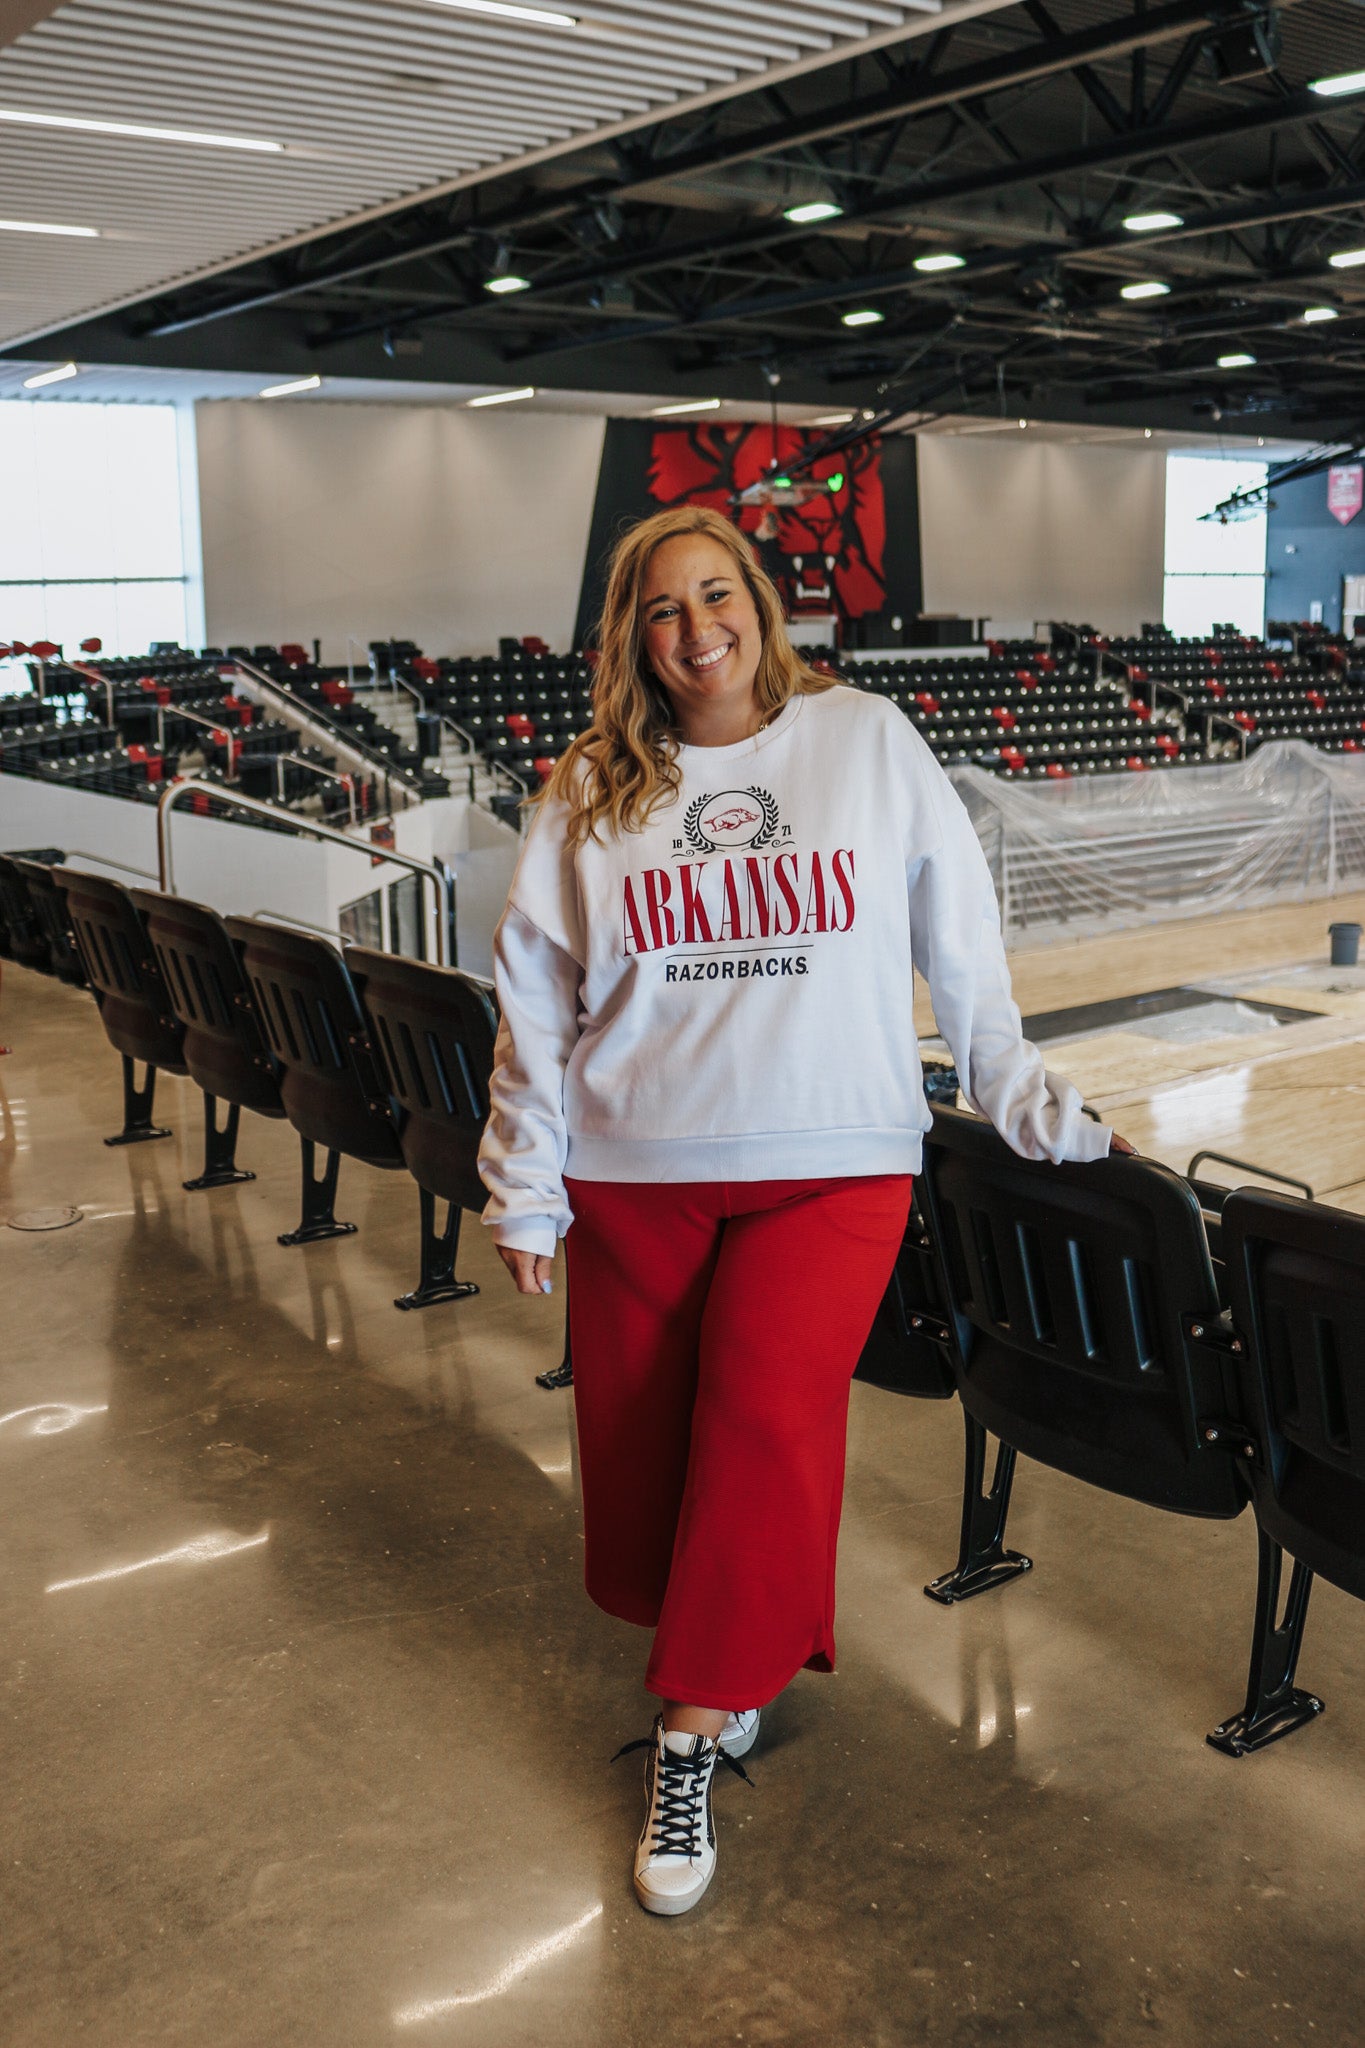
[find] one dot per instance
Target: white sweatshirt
(727, 994)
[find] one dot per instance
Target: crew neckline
(784, 720)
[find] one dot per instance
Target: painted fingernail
(547, 1286)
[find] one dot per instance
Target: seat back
(432, 1031)
(1074, 1294)
(1296, 1277)
(224, 1046)
(25, 939)
(332, 1092)
(905, 1350)
(49, 910)
(134, 1002)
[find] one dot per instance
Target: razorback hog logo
(737, 817)
(719, 902)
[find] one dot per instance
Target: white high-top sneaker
(675, 1859)
(740, 1732)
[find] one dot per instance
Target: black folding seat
(50, 912)
(431, 1033)
(25, 938)
(332, 1091)
(1296, 1284)
(1085, 1328)
(134, 1004)
(223, 1047)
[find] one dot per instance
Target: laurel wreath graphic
(692, 825)
(692, 818)
(769, 807)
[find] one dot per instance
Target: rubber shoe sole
(740, 1744)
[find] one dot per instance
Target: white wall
(428, 523)
(1019, 529)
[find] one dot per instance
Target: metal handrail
(374, 758)
(124, 867)
(347, 782)
(467, 740)
(434, 871)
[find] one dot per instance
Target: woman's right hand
(530, 1270)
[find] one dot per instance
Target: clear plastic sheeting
(1100, 853)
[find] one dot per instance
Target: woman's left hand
(1121, 1145)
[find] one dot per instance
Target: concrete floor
(307, 1720)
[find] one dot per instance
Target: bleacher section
(128, 727)
(1079, 705)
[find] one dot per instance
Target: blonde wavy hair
(625, 765)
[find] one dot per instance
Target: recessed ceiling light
(1312, 314)
(503, 397)
(58, 376)
(1347, 259)
(288, 390)
(1147, 223)
(943, 262)
(1347, 81)
(865, 316)
(1151, 288)
(20, 117)
(833, 419)
(46, 227)
(505, 10)
(1239, 360)
(664, 412)
(507, 281)
(814, 209)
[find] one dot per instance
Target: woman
(707, 1083)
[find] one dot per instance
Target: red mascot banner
(826, 553)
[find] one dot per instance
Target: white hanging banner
(1345, 491)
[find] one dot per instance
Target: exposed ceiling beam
(917, 96)
(889, 208)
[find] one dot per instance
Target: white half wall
(425, 523)
(1017, 530)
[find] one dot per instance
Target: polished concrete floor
(307, 1722)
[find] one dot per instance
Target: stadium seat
(332, 1091)
(223, 1048)
(23, 936)
(432, 1031)
(49, 910)
(134, 1003)
(1296, 1282)
(1086, 1330)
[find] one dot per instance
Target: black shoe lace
(678, 1793)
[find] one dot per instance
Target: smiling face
(701, 634)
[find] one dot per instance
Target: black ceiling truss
(1019, 140)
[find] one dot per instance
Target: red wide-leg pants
(714, 1330)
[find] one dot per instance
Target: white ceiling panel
(365, 103)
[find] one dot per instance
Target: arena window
(1214, 573)
(92, 536)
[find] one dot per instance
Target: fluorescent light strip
(1312, 314)
(135, 129)
(1150, 290)
(508, 282)
(1346, 81)
(1347, 259)
(929, 264)
(833, 419)
(1147, 223)
(866, 316)
(667, 412)
(46, 227)
(503, 397)
(58, 376)
(504, 10)
(1238, 361)
(815, 209)
(288, 390)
